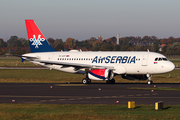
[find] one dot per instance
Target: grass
(86, 112)
(53, 76)
(176, 62)
(37, 76)
(15, 62)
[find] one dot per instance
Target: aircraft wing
(76, 65)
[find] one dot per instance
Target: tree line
(166, 46)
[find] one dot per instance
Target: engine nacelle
(101, 74)
(135, 77)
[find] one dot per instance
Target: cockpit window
(161, 59)
(165, 59)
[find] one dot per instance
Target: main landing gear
(149, 79)
(86, 81)
(111, 81)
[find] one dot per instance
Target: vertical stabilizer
(37, 41)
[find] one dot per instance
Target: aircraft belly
(131, 69)
(138, 70)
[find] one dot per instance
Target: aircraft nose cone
(171, 66)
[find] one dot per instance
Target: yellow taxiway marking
(52, 100)
(80, 98)
(71, 99)
(70, 84)
(36, 96)
(106, 97)
(146, 94)
(154, 94)
(96, 97)
(62, 99)
(88, 97)
(114, 96)
(130, 95)
(122, 96)
(139, 95)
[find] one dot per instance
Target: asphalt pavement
(77, 93)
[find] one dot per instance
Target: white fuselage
(122, 62)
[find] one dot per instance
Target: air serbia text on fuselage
(114, 59)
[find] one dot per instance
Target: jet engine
(101, 74)
(135, 77)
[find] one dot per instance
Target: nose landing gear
(149, 79)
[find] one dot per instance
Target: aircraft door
(145, 60)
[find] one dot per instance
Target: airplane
(95, 65)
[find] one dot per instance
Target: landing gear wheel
(110, 81)
(89, 81)
(149, 79)
(86, 81)
(150, 82)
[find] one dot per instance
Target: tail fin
(37, 41)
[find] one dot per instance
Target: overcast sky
(83, 19)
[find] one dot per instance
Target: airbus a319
(95, 65)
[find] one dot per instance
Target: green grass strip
(86, 112)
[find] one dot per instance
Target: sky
(83, 19)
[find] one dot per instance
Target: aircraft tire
(150, 82)
(89, 81)
(111, 81)
(85, 81)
